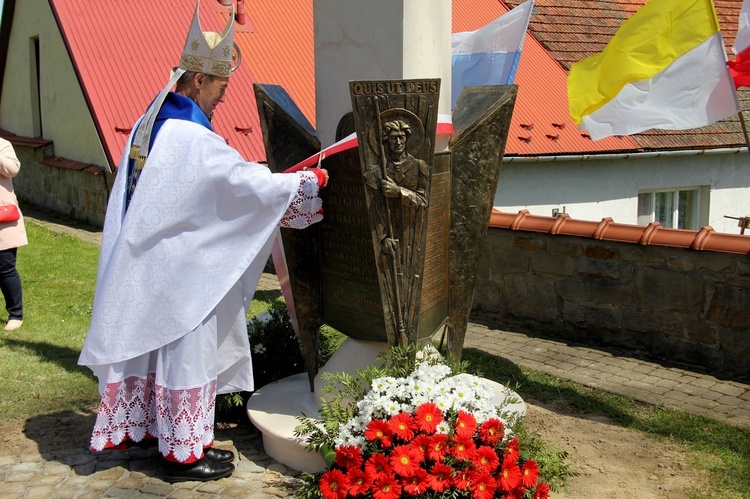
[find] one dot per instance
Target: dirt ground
(612, 462)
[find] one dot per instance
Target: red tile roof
(572, 30)
(144, 39)
(541, 123)
(123, 52)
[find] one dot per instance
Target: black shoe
(204, 470)
(218, 455)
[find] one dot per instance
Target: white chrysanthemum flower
(443, 402)
(434, 373)
(379, 385)
(391, 381)
(443, 427)
(420, 399)
(344, 437)
(391, 408)
(444, 387)
(259, 349)
(264, 317)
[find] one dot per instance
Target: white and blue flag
(489, 55)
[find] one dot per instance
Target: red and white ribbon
(444, 127)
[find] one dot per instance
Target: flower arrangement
(429, 433)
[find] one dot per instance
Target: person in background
(12, 235)
(188, 231)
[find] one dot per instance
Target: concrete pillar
(377, 40)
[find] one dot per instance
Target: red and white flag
(740, 66)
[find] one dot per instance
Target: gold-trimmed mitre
(209, 52)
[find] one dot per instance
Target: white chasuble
(176, 274)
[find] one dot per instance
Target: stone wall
(667, 303)
(72, 189)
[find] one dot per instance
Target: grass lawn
(39, 361)
(41, 375)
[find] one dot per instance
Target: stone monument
(406, 212)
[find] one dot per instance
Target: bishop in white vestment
(187, 234)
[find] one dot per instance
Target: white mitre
(205, 52)
(209, 52)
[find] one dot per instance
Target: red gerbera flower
(423, 444)
(377, 430)
(438, 446)
(491, 431)
(377, 465)
(402, 425)
(386, 487)
(466, 424)
(542, 491)
(349, 456)
(333, 485)
(461, 480)
(440, 478)
(359, 482)
(530, 473)
(416, 484)
(427, 417)
(463, 448)
(485, 459)
(510, 475)
(512, 450)
(517, 493)
(405, 460)
(482, 485)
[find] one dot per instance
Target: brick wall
(667, 303)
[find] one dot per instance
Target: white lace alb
(182, 419)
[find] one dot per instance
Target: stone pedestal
(274, 408)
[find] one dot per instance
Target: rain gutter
(628, 155)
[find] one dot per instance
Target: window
(673, 208)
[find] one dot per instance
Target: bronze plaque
(395, 123)
(436, 281)
(350, 294)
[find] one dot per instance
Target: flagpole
(731, 79)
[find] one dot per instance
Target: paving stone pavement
(76, 473)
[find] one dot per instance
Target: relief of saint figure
(400, 182)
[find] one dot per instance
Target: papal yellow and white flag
(665, 68)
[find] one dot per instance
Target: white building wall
(65, 117)
(378, 40)
(596, 189)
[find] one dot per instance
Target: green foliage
(276, 351)
(330, 341)
(275, 348)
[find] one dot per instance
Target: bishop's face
(211, 91)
